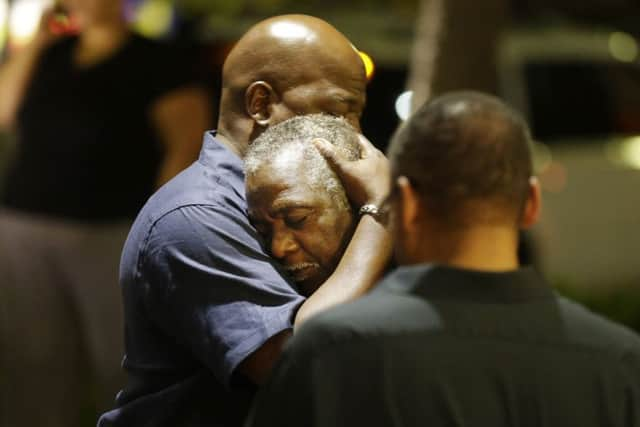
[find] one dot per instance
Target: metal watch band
(370, 209)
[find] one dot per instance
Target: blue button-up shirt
(200, 295)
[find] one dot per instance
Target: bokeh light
(403, 105)
(24, 18)
(625, 152)
(154, 18)
(623, 47)
(369, 66)
(4, 10)
(631, 152)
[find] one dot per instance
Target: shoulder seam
(153, 223)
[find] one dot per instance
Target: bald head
(270, 49)
(468, 156)
(285, 66)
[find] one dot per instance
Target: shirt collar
(442, 282)
(215, 152)
(218, 157)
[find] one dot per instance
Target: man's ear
(409, 205)
(533, 205)
(258, 99)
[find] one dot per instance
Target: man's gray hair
(293, 138)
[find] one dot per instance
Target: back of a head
(292, 140)
(467, 154)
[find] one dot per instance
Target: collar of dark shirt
(444, 282)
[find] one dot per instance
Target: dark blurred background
(571, 66)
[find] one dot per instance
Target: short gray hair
(295, 135)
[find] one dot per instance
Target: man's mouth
(302, 270)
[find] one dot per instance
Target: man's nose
(282, 244)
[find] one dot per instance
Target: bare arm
(260, 363)
(367, 255)
(180, 118)
(16, 74)
(361, 266)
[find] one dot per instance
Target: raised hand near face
(366, 180)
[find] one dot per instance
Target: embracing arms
(366, 181)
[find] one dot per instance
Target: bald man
(207, 311)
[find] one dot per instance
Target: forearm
(15, 76)
(362, 264)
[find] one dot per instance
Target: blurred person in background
(460, 334)
(102, 117)
(207, 311)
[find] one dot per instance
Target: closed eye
(296, 221)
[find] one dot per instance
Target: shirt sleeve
(212, 287)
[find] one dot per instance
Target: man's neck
(229, 143)
(235, 137)
(484, 248)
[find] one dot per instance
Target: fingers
(328, 151)
(366, 147)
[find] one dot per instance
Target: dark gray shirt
(200, 295)
(436, 346)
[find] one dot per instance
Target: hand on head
(365, 180)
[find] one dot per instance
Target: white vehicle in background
(580, 90)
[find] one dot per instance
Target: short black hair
(462, 148)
